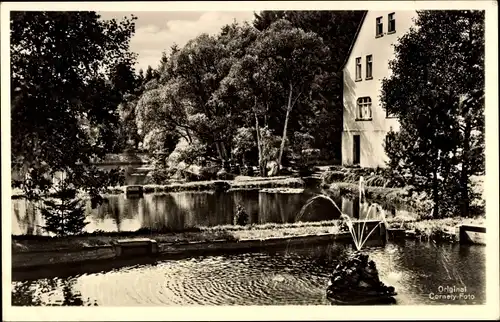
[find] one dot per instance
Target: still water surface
(297, 275)
(188, 209)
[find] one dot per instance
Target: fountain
(356, 280)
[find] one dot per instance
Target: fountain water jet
(356, 280)
(310, 201)
(357, 234)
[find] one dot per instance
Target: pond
(188, 209)
(296, 275)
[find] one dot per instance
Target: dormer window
(379, 27)
(392, 23)
(358, 68)
(364, 108)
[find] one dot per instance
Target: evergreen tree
(64, 214)
(149, 74)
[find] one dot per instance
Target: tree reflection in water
(53, 292)
(180, 210)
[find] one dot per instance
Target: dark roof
(353, 41)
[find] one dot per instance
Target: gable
(365, 36)
(353, 41)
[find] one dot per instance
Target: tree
(441, 113)
(123, 78)
(278, 70)
(63, 99)
(264, 19)
(337, 29)
(186, 98)
(128, 132)
(294, 60)
(141, 75)
(243, 143)
(149, 74)
(64, 214)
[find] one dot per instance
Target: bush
(224, 175)
(247, 171)
(331, 176)
(209, 173)
(160, 176)
(304, 171)
(380, 180)
(287, 171)
(375, 177)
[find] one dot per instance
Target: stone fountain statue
(356, 280)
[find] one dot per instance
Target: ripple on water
(298, 278)
(233, 280)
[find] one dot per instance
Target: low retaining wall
(34, 265)
(250, 244)
(37, 259)
(472, 234)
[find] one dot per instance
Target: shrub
(209, 173)
(247, 171)
(352, 177)
(383, 180)
(330, 176)
(286, 171)
(304, 171)
(159, 176)
(65, 214)
(224, 175)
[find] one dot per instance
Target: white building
(365, 122)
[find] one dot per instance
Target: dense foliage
(437, 92)
(271, 84)
(69, 73)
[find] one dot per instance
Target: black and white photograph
(294, 156)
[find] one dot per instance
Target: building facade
(365, 122)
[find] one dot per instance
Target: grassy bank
(44, 243)
(197, 234)
(445, 229)
(434, 229)
(273, 230)
(388, 198)
(221, 185)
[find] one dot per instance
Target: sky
(156, 32)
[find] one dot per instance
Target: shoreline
(33, 253)
(240, 183)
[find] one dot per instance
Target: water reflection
(296, 275)
(134, 175)
(188, 209)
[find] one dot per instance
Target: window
(379, 30)
(369, 59)
(364, 108)
(392, 23)
(358, 68)
(389, 115)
